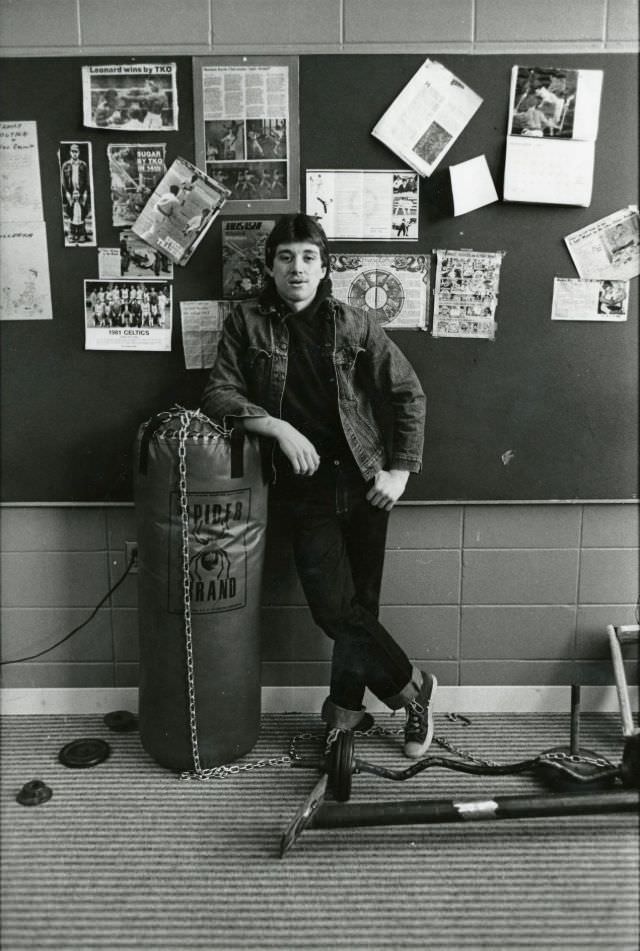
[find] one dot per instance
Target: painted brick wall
(481, 594)
(517, 594)
(68, 27)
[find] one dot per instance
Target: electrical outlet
(131, 555)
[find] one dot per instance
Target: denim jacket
(380, 400)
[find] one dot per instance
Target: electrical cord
(20, 660)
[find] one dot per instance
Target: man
(164, 209)
(74, 176)
(342, 413)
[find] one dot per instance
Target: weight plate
(34, 793)
(342, 766)
(80, 754)
(121, 721)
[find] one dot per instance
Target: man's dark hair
(295, 228)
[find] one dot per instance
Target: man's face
(297, 270)
(75, 153)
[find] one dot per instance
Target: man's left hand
(387, 488)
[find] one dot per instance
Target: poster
(365, 205)
(76, 194)
(243, 244)
(180, 211)
(247, 129)
(130, 96)
(127, 315)
(392, 288)
(427, 117)
(134, 170)
(466, 293)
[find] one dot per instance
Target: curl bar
(341, 764)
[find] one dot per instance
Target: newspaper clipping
(574, 299)
(243, 244)
(76, 194)
(466, 294)
(135, 171)
(608, 248)
(127, 315)
(202, 322)
(245, 110)
(427, 117)
(364, 204)
(137, 96)
(392, 288)
(180, 211)
(133, 258)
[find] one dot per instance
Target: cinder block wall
(483, 594)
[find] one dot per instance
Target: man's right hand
(299, 450)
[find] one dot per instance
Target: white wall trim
(495, 699)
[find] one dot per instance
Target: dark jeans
(339, 546)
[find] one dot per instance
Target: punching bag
(201, 512)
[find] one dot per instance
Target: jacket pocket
(346, 359)
(257, 365)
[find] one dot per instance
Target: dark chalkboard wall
(561, 396)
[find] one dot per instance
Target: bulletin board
(559, 399)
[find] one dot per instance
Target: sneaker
(418, 731)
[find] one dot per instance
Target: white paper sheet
(608, 248)
(426, 118)
(556, 173)
(20, 189)
(471, 185)
(574, 299)
(25, 292)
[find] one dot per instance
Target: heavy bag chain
(186, 417)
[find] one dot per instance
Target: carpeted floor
(126, 855)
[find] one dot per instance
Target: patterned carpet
(126, 855)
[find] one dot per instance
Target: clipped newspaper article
(365, 205)
(127, 315)
(243, 244)
(392, 288)
(180, 211)
(575, 299)
(427, 117)
(133, 258)
(608, 248)
(130, 96)
(202, 323)
(135, 170)
(552, 129)
(466, 293)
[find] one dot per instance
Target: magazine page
(365, 205)
(427, 117)
(180, 211)
(135, 170)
